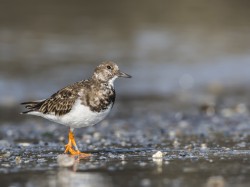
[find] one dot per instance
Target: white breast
(79, 116)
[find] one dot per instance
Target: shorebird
(82, 104)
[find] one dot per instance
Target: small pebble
(172, 134)
(26, 161)
(97, 136)
(65, 160)
(226, 148)
(18, 160)
(5, 155)
(189, 147)
(61, 138)
(176, 143)
(122, 157)
(111, 155)
(158, 154)
(24, 144)
(203, 146)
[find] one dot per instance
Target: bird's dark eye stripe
(109, 67)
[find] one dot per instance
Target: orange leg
(71, 147)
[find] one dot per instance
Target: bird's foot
(81, 155)
(76, 153)
(71, 147)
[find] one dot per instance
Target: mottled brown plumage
(95, 92)
(59, 103)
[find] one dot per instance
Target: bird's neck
(110, 82)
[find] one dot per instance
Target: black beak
(125, 75)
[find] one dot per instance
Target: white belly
(79, 116)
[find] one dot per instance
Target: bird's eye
(109, 67)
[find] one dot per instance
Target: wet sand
(200, 144)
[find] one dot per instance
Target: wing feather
(59, 103)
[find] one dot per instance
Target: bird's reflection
(67, 178)
(70, 175)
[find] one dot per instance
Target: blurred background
(168, 46)
(189, 95)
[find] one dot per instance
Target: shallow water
(188, 97)
(140, 170)
(199, 147)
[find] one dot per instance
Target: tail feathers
(26, 112)
(32, 106)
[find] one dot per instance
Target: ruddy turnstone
(81, 104)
